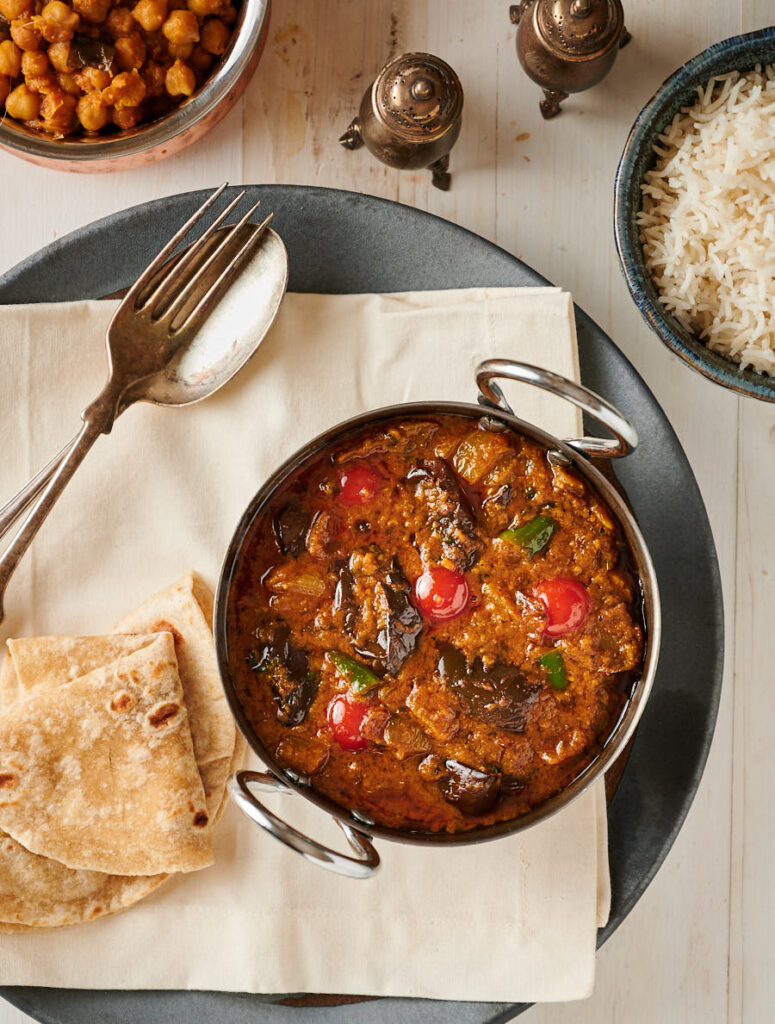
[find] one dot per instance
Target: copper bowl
(588, 456)
(154, 140)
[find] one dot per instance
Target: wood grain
(698, 946)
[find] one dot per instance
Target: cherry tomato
(567, 605)
(441, 594)
(345, 719)
(358, 483)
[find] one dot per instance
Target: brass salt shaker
(567, 45)
(410, 116)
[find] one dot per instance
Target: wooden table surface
(698, 947)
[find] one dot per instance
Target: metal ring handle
(625, 434)
(363, 865)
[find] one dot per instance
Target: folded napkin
(514, 919)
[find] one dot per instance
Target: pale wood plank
(752, 967)
(752, 954)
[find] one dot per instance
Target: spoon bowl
(230, 335)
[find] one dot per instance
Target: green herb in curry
(533, 535)
(360, 678)
(555, 669)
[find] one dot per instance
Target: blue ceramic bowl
(740, 53)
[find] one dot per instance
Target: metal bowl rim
(622, 732)
(245, 39)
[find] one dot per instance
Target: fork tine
(201, 311)
(177, 273)
(158, 261)
(188, 289)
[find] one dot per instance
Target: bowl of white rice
(694, 213)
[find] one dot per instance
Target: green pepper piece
(533, 535)
(555, 669)
(360, 678)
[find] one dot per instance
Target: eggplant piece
(511, 785)
(292, 683)
(396, 638)
(451, 514)
(471, 791)
(499, 695)
(290, 526)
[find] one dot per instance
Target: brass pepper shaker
(567, 45)
(410, 116)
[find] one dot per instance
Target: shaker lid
(418, 96)
(580, 27)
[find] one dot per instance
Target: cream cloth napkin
(514, 919)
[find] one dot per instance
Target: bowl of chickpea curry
(438, 622)
(95, 85)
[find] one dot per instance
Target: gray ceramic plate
(344, 242)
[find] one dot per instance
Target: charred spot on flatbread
(163, 715)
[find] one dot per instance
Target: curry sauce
(435, 624)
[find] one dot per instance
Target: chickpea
(180, 80)
(95, 11)
(92, 79)
(229, 14)
(150, 14)
(127, 117)
(34, 63)
(214, 36)
(58, 112)
(10, 59)
(181, 27)
(58, 22)
(155, 46)
(60, 56)
(11, 9)
(130, 51)
(22, 103)
(91, 112)
(5, 87)
(180, 52)
(68, 84)
(204, 8)
(201, 59)
(153, 76)
(126, 90)
(37, 72)
(25, 34)
(120, 22)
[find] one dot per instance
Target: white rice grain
(708, 217)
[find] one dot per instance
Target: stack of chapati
(114, 756)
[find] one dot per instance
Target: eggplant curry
(435, 624)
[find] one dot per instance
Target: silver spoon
(186, 326)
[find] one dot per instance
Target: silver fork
(160, 313)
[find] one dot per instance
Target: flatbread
(185, 610)
(36, 892)
(47, 661)
(41, 893)
(236, 762)
(8, 683)
(99, 773)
